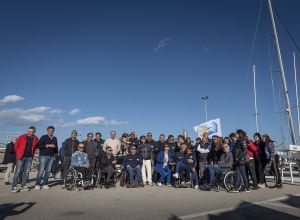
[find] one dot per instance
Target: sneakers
(63, 186)
(46, 187)
(234, 190)
(14, 190)
(150, 184)
(183, 184)
(247, 190)
(24, 189)
(37, 187)
(261, 185)
(159, 184)
(196, 187)
(169, 185)
(175, 175)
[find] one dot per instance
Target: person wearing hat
(69, 146)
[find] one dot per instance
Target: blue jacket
(79, 159)
(160, 161)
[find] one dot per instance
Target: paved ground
(150, 203)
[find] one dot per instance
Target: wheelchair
(177, 181)
(101, 178)
(73, 180)
(124, 178)
(226, 180)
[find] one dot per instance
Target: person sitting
(133, 163)
(162, 166)
(182, 166)
(225, 163)
(192, 164)
(106, 163)
(80, 162)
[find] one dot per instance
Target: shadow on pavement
(14, 209)
(293, 201)
(251, 211)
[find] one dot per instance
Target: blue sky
(141, 65)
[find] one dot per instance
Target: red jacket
(21, 143)
(252, 149)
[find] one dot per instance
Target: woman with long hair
(272, 158)
(259, 160)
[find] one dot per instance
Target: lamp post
(205, 106)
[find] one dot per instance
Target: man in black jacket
(133, 163)
(69, 147)
(99, 141)
(47, 150)
(92, 152)
(9, 159)
(106, 162)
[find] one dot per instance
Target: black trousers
(66, 165)
(259, 170)
(109, 172)
(91, 168)
(275, 168)
(84, 172)
(250, 169)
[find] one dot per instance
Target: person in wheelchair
(192, 164)
(162, 166)
(133, 163)
(182, 167)
(80, 162)
(225, 163)
(107, 162)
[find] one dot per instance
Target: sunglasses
(90, 136)
(81, 147)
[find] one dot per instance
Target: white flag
(212, 127)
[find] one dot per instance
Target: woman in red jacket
(25, 148)
(250, 164)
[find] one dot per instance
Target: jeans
(212, 171)
(194, 175)
(201, 165)
(92, 167)
(241, 174)
(45, 165)
(23, 165)
(183, 170)
(134, 179)
(250, 168)
(166, 173)
(275, 168)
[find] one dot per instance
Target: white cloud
(20, 116)
(162, 44)
(114, 122)
(97, 120)
(75, 111)
(11, 99)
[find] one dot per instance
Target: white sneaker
(14, 190)
(37, 187)
(150, 184)
(63, 186)
(24, 189)
(46, 187)
(196, 187)
(159, 184)
(175, 175)
(261, 185)
(169, 185)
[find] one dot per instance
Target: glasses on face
(149, 135)
(81, 147)
(109, 150)
(171, 139)
(90, 136)
(133, 149)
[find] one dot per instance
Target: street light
(205, 105)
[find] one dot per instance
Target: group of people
(169, 158)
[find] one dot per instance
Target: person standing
(69, 146)
(25, 147)
(112, 142)
(91, 150)
(133, 139)
(145, 151)
(203, 150)
(47, 150)
(9, 159)
(258, 160)
(100, 142)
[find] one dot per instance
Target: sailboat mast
(296, 87)
(286, 94)
(255, 104)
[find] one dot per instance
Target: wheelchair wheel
(95, 179)
(229, 181)
(123, 178)
(70, 179)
